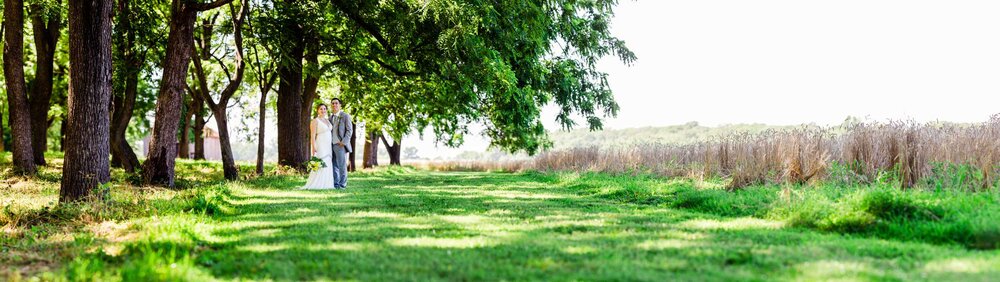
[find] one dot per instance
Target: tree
(87, 142)
(297, 32)
(234, 80)
(369, 158)
(446, 65)
(45, 25)
(264, 76)
(392, 149)
(13, 66)
(159, 166)
(135, 40)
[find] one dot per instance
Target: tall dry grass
(913, 155)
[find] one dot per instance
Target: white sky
(798, 61)
(784, 62)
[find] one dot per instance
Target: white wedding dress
(323, 177)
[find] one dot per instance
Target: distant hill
(675, 134)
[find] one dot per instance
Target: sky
(796, 61)
(787, 62)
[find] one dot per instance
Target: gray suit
(343, 129)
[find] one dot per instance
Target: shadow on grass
(483, 226)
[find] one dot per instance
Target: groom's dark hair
(338, 100)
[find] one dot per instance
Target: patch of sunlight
(59, 238)
(267, 232)
(962, 265)
(337, 247)
(372, 214)
(710, 184)
(303, 210)
(113, 250)
(685, 235)
(463, 219)
(262, 248)
(300, 194)
(552, 217)
(829, 269)
(113, 231)
(742, 223)
(513, 194)
(416, 226)
(579, 250)
(664, 244)
(430, 242)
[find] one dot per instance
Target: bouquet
(315, 164)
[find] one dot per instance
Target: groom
(343, 129)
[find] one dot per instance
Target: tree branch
(201, 7)
(369, 27)
(393, 69)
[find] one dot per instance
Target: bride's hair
(317, 109)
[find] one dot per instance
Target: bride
(322, 148)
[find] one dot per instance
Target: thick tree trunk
(122, 154)
(17, 101)
(46, 36)
(293, 150)
(86, 160)
(159, 166)
(393, 150)
(354, 144)
(309, 87)
(370, 157)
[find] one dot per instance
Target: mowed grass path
(408, 225)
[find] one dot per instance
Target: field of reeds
(908, 154)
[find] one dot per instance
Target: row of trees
(399, 65)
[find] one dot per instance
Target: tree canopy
(404, 65)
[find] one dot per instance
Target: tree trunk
(228, 164)
(260, 131)
(46, 36)
(159, 166)
(198, 129)
(293, 150)
(393, 150)
(370, 156)
(183, 150)
(122, 154)
(86, 160)
(354, 144)
(265, 88)
(17, 101)
(2, 149)
(309, 87)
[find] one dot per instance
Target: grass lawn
(404, 224)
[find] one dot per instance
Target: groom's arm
(350, 127)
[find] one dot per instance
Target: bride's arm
(312, 137)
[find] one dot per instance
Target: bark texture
(87, 144)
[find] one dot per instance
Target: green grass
(404, 224)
